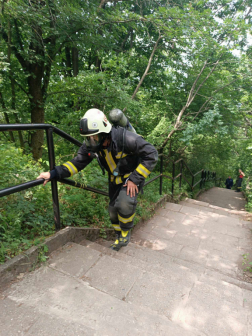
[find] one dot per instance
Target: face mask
(94, 145)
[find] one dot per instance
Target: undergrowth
(248, 194)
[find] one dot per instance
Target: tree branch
(212, 70)
(190, 99)
(147, 68)
(19, 85)
(17, 54)
(78, 92)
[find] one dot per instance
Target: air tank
(118, 118)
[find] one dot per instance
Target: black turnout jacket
(137, 161)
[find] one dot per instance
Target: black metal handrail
(205, 176)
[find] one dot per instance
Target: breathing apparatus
(118, 118)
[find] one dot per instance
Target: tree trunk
(37, 108)
(68, 61)
(6, 117)
(97, 64)
(75, 61)
(13, 107)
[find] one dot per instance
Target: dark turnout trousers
(122, 207)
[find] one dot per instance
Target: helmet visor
(84, 130)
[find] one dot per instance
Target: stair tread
(22, 319)
(179, 275)
(47, 290)
(159, 264)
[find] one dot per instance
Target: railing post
(161, 175)
(181, 170)
(173, 175)
(201, 181)
(49, 134)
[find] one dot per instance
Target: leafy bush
(25, 217)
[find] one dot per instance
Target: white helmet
(94, 122)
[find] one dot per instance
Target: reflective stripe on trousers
(122, 207)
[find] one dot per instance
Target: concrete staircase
(182, 274)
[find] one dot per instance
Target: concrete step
(179, 212)
(111, 296)
(18, 318)
(150, 261)
(244, 217)
(122, 276)
(165, 254)
(162, 264)
(180, 275)
(190, 209)
(216, 289)
(105, 296)
(194, 241)
(214, 208)
(194, 207)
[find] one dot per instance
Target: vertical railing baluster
(201, 180)
(161, 175)
(56, 210)
(173, 175)
(181, 170)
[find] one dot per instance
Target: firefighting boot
(115, 246)
(124, 238)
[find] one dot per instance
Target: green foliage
(247, 263)
(157, 136)
(26, 217)
(42, 257)
(95, 57)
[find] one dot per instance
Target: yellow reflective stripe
(116, 227)
(126, 220)
(118, 155)
(110, 161)
(118, 180)
(124, 233)
(126, 175)
(142, 170)
(72, 169)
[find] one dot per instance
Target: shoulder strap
(116, 171)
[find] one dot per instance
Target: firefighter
(128, 159)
